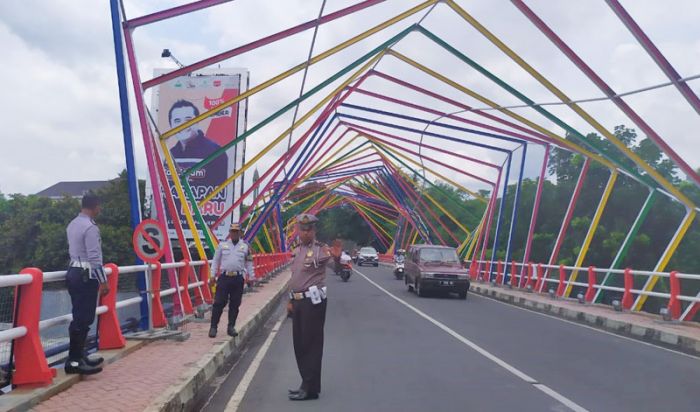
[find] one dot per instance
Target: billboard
(178, 101)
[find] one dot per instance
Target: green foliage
(34, 228)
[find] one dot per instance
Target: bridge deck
(383, 355)
(387, 349)
(144, 378)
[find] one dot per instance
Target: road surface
(388, 350)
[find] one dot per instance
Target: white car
(368, 255)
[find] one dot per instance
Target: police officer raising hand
(307, 305)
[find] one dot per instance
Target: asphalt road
(389, 350)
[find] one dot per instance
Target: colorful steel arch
(366, 146)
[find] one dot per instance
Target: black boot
(302, 395)
(79, 366)
(212, 332)
(94, 361)
(231, 331)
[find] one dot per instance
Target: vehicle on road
(345, 271)
(345, 267)
(399, 263)
(368, 255)
(399, 270)
(431, 268)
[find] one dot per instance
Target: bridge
(584, 294)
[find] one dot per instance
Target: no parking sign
(149, 240)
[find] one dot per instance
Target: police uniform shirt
(309, 266)
(233, 258)
(85, 245)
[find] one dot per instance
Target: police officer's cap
(235, 226)
(307, 220)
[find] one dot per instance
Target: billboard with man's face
(182, 99)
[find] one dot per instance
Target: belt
(84, 265)
(306, 294)
(231, 273)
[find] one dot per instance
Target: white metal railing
(29, 324)
(491, 267)
(13, 280)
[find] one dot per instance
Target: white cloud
(61, 120)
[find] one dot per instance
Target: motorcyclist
(345, 258)
(399, 256)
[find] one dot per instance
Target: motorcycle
(345, 271)
(398, 270)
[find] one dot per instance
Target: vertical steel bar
(132, 182)
(535, 210)
(514, 214)
(627, 243)
(501, 210)
(592, 229)
(567, 217)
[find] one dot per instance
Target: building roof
(72, 189)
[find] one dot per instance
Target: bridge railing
(386, 257)
(560, 280)
(29, 356)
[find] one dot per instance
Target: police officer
(308, 305)
(233, 264)
(85, 277)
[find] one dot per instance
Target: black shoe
(212, 332)
(80, 367)
(302, 395)
(295, 391)
(231, 331)
(96, 361)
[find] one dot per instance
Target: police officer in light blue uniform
(85, 277)
(233, 266)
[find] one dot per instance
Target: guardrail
(30, 363)
(536, 277)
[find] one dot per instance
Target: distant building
(75, 190)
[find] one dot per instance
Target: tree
(34, 228)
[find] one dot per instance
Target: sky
(61, 118)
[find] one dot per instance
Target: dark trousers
(307, 329)
(228, 289)
(83, 296)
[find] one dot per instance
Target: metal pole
(134, 202)
(627, 243)
(500, 217)
(514, 214)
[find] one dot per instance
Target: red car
(437, 269)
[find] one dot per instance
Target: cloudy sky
(60, 115)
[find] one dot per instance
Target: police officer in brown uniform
(308, 305)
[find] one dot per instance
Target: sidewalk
(165, 374)
(680, 336)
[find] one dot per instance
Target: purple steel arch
(655, 53)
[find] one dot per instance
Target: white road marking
(687, 355)
(500, 362)
(235, 401)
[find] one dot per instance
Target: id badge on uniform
(315, 295)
